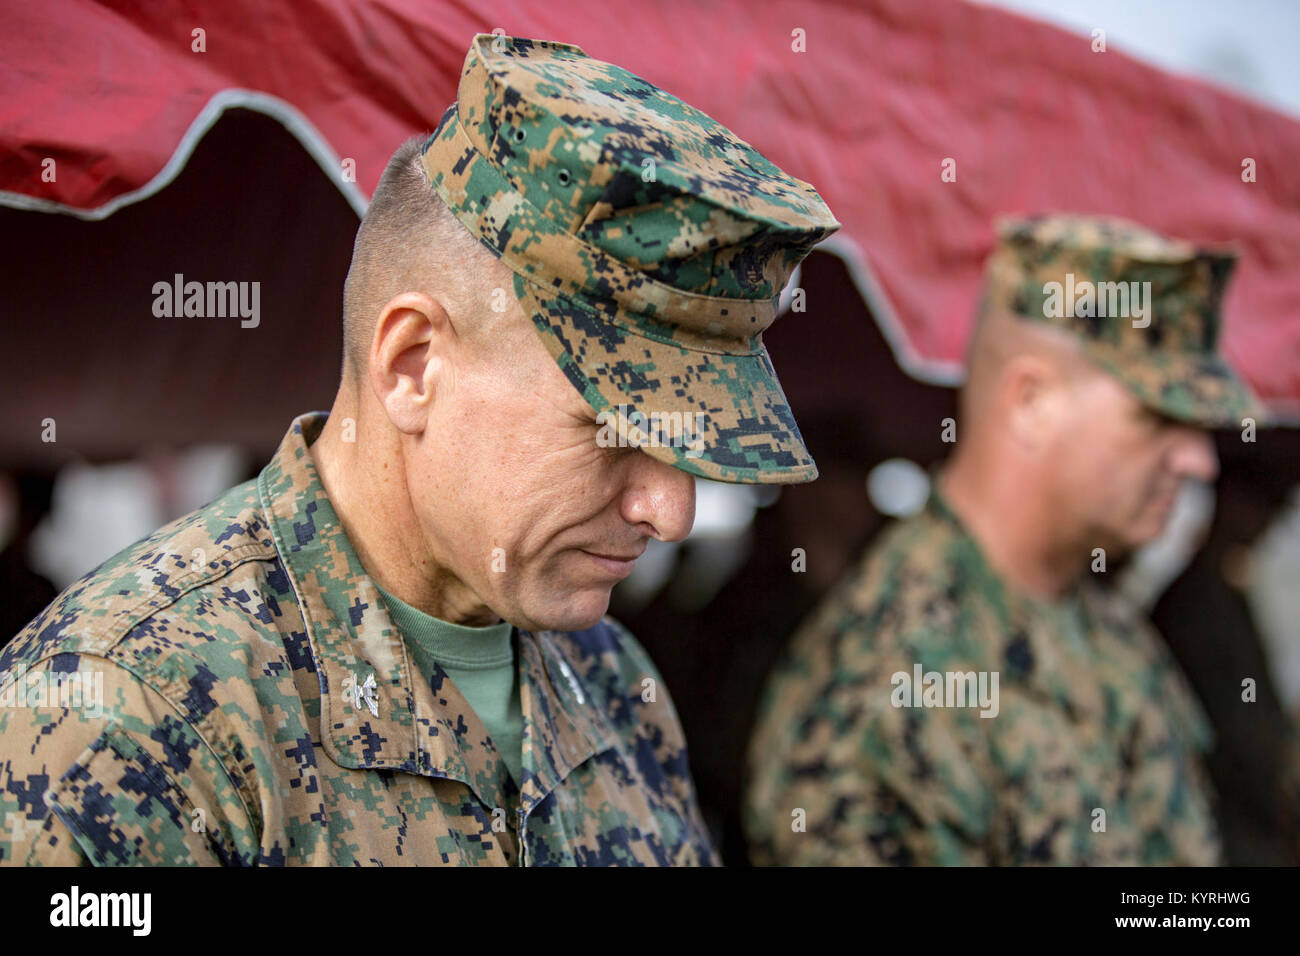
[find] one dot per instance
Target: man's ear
(408, 356)
(1033, 397)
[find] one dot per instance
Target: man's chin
(580, 611)
(1135, 537)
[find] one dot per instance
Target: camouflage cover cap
(1146, 307)
(649, 244)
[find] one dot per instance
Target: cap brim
(736, 425)
(1198, 389)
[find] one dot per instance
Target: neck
(366, 483)
(1022, 536)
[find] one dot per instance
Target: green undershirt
(481, 663)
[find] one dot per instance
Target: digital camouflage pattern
(1093, 714)
(260, 708)
(649, 244)
(1168, 358)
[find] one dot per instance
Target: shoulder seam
(129, 621)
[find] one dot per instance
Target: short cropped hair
(408, 241)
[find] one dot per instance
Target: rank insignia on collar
(354, 692)
(573, 682)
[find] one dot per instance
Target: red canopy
(879, 97)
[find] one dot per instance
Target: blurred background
(239, 142)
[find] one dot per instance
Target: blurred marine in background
(390, 647)
(971, 693)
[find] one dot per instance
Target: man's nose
(659, 496)
(1193, 455)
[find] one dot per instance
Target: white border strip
(285, 113)
(930, 371)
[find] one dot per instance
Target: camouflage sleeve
(649, 698)
(840, 776)
(53, 846)
(98, 768)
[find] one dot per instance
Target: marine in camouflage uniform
(259, 706)
(1092, 752)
